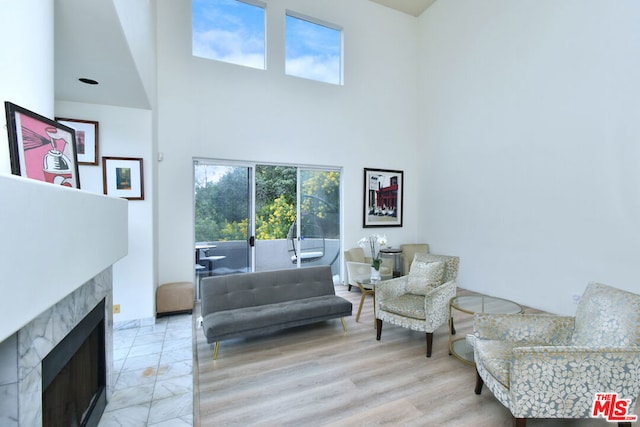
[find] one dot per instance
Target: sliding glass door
(265, 217)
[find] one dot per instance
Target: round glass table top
(485, 304)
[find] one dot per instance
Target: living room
(515, 124)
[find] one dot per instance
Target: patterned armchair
(546, 366)
(419, 300)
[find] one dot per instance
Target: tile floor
(154, 381)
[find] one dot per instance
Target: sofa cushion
(249, 320)
(424, 277)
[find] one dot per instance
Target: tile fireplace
(26, 357)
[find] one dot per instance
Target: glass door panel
(223, 218)
(275, 212)
(319, 219)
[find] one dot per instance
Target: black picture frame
(383, 198)
(41, 148)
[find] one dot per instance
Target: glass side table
(472, 304)
(367, 287)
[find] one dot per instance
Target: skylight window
(313, 49)
(230, 31)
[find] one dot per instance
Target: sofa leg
(349, 289)
(479, 383)
(344, 324)
(520, 422)
(215, 350)
(429, 343)
(378, 329)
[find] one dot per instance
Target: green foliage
(321, 199)
(222, 207)
(274, 182)
(234, 231)
(275, 220)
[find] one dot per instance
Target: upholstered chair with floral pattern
(546, 366)
(419, 300)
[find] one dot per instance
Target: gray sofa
(246, 304)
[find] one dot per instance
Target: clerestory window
(229, 30)
(313, 49)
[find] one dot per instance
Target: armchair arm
(526, 328)
(358, 271)
(561, 381)
(436, 303)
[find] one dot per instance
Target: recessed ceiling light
(88, 81)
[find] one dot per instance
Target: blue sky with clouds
(229, 30)
(233, 31)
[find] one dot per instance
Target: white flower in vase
(374, 242)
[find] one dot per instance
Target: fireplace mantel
(54, 239)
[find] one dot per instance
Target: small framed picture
(123, 177)
(383, 192)
(86, 139)
(41, 148)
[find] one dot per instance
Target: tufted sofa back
(220, 293)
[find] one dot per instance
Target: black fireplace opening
(74, 375)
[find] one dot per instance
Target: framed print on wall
(41, 148)
(86, 139)
(123, 177)
(383, 190)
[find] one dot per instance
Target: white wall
(529, 133)
(125, 132)
(44, 250)
(217, 110)
(26, 73)
(26, 79)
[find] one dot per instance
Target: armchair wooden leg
(378, 329)
(429, 343)
(479, 383)
(520, 422)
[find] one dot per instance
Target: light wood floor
(318, 376)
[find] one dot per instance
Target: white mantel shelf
(53, 239)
